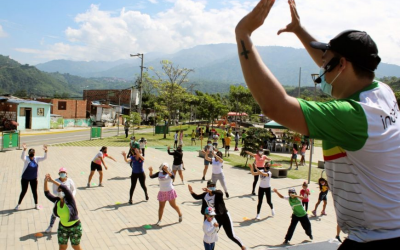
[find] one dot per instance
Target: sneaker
(254, 193)
(311, 237)
(286, 242)
(16, 208)
(203, 179)
(48, 230)
(338, 238)
(130, 202)
(323, 213)
(183, 182)
(158, 223)
(297, 168)
(88, 185)
(314, 213)
(101, 185)
(147, 197)
(227, 195)
(273, 212)
(180, 219)
(258, 217)
(37, 207)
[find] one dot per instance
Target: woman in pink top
(96, 165)
(303, 154)
(260, 161)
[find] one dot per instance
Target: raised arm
(127, 160)
(306, 38)
(279, 194)
(23, 156)
(265, 88)
(250, 153)
(251, 166)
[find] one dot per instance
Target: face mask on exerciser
(325, 86)
(61, 195)
(63, 175)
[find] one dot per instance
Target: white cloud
(2, 32)
(103, 35)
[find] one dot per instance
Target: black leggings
(142, 181)
(305, 223)
(225, 221)
(305, 205)
(255, 179)
(261, 192)
(24, 187)
(376, 244)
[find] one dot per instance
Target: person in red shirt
(305, 192)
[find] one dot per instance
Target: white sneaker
(158, 223)
(16, 208)
(258, 217)
(273, 212)
(183, 182)
(37, 207)
(48, 230)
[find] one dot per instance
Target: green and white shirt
(296, 205)
(361, 146)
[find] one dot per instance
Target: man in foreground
(361, 139)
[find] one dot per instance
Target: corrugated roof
(18, 101)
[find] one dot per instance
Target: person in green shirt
(299, 214)
(244, 135)
(193, 137)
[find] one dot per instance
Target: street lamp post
(141, 56)
(314, 77)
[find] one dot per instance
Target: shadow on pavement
(33, 237)
(193, 203)
(9, 212)
(118, 178)
(142, 230)
(117, 206)
(246, 223)
(244, 196)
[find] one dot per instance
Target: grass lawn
(157, 141)
(302, 173)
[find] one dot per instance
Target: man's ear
(342, 64)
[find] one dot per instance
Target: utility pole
(299, 82)
(141, 56)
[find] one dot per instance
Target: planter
(321, 164)
(201, 154)
(279, 172)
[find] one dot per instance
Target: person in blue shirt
(136, 161)
(30, 173)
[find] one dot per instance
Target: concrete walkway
(109, 222)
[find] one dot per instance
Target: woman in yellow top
(323, 187)
(65, 208)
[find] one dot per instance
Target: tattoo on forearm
(245, 52)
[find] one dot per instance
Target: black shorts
(95, 166)
(227, 147)
(323, 196)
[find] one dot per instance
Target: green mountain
(26, 80)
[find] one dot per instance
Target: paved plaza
(109, 222)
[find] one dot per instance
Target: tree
(240, 99)
(171, 90)
(133, 118)
(256, 138)
(211, 106)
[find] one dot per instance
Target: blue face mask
(63, 175)
(325, 86)
(212, 188)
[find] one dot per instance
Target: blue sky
(43, 30)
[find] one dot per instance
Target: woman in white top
(167, 191)
(210, 228)
(217, 173)
(265, 187)
(70, 185)
(96, 165)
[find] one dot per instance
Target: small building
(69, 113)
(28, 114)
